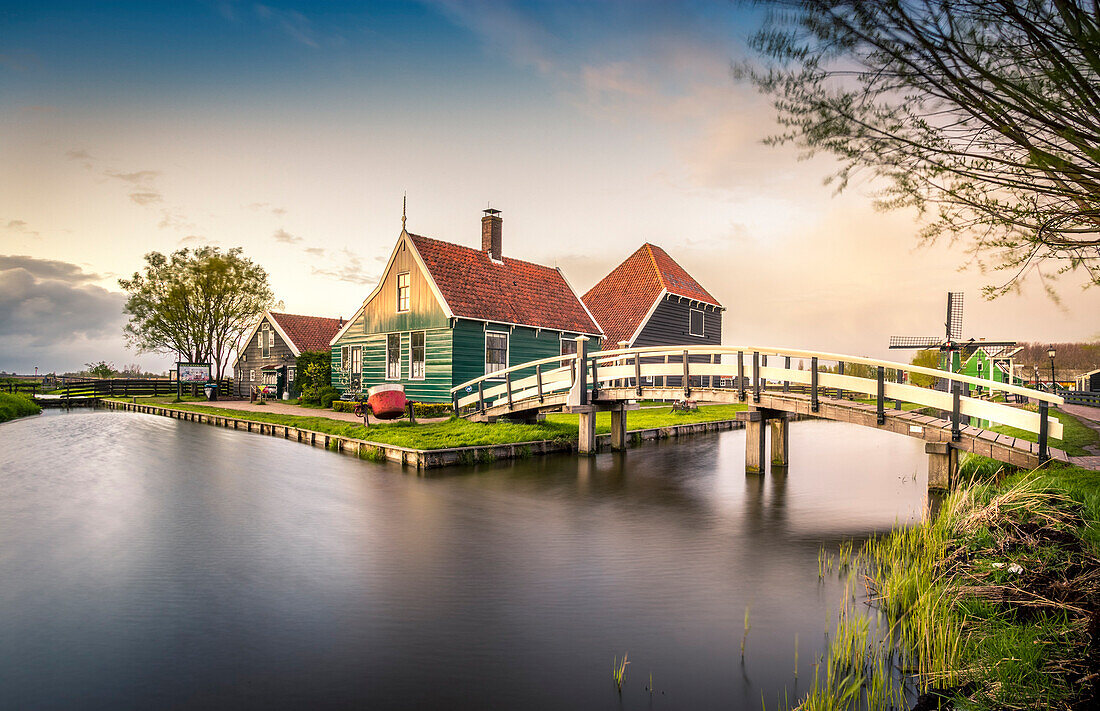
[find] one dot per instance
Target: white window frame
(291, 371)
(252, 376)
(507, 352)
(408, 292)
(703, 322)
(265, 341)
(399, 358)
(424, 348)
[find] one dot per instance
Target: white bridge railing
(749, 370)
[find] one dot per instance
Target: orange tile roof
(513, 291)
(623, 298)
(309, 333)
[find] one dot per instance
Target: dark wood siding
(253, 359)
(668, 326)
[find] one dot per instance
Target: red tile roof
(513, 291)
(623, 298)
(309, 333)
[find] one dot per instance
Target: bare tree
(984, 115)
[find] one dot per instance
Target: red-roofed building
(650, 300)
(267, 356)
(443, 314)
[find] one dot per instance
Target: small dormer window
(265, 341)
(695, 322)
(402, 292)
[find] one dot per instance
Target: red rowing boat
(387, 402)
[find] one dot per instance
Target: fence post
(454, 403)
(687, 375)
(508, 386)
(786, 366)
(756, 376)
(880, 404)
(956, 402)
(1044, 426)
(840, 371)
(814, 404)
(538, 379)
(638, 374)
(741, 376)
(481, 395)
(595, 380)
(898, 378)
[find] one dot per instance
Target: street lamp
(1053, 382)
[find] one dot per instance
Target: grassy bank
(456, 432)
(1076, 436)
(13, 405)
(655, 417)
(993, 604)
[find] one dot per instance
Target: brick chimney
(490, 233)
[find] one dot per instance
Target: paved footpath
(273, 407)
(1090, 417)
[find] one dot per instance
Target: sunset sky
(293, 129)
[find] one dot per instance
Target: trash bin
(211, 391)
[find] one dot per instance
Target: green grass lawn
(460, 433)
(1076, 435)
(663, 417)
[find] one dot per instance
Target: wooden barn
(650, 300)
(444, 313)
(267, 356)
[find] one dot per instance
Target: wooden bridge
(585, 383)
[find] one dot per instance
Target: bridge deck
(1005, 448)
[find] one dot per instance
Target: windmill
(952, 341)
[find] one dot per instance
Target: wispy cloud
(315, 251)
(266, 207)
(20, 226)
(349, 269)
(285, 237)
(291, 22)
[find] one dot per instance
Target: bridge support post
(943, 465)
(586, 441)
(618, 427)
(754, 443)
(780, 427)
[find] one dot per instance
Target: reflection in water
(149, 562)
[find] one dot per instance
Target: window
(568, 347)
(393, 356)
(270, 377)
(252, 376)
(265, 341)
(417, 360)
(496, 352)
(356, 369)
(345, 356)
(290, 373)
(695, 322)
(403, 292)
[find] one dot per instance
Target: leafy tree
(198, 304)
(983, 115)
(313, 369)
(102, 369)
(928, 359)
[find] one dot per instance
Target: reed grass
(618, 671)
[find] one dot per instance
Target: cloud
(350, 270)
(267, 207)
(147, 197)
(137, 178)
(282, 235)
(192, 239)
(21, 227)
(315, 251)
(45, 303)
(291, 22)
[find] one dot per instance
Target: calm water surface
(151, 563)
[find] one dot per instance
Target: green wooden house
(986, 363)
(443, 314)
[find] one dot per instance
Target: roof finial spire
(404, 201)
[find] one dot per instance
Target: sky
(295, 129)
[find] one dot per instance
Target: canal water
(152, 563)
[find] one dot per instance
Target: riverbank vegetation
(457, 432)
(13, 405)
(994, 603)
(1077, 437)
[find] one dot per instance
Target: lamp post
(1053, 382)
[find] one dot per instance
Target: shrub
(343, 406)
(327, 394)
(13, 405)
(313, 368)
(432, 409)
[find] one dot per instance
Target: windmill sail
(954, 322)
(918, 342)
